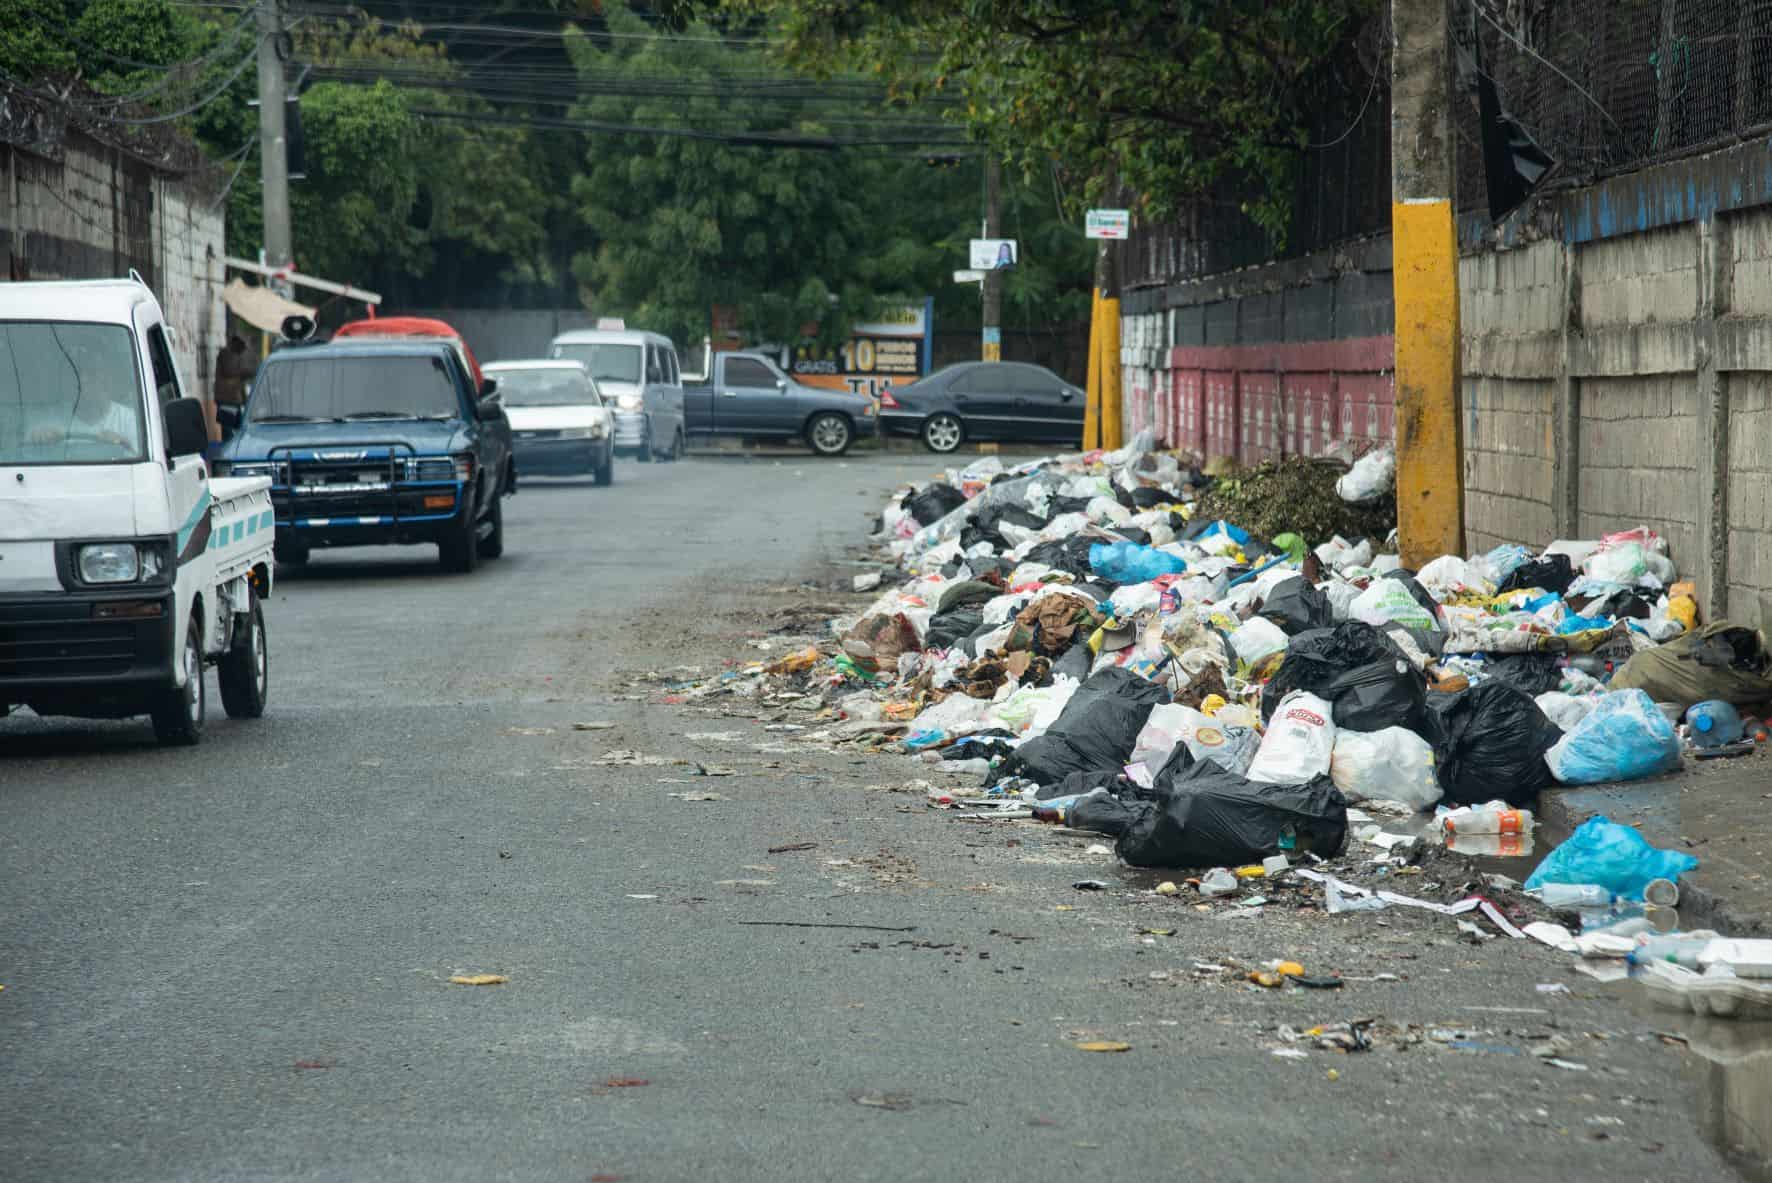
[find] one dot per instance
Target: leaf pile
(1295, 494)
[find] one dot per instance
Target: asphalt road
(232, 962)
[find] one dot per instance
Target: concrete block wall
(1639, 463)
(1749, 567)
(94, 213)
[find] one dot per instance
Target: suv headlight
(119, 562)
(577, 433)
(630, 402)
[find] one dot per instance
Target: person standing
(233, 368)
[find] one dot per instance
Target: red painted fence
(1257, 402)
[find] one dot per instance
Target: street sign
(994, 254)
(968, 277)
(1107, 223)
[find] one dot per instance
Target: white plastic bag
(1299, 743)
(1624, 563)
(1353, 556)
(1371, 477)
(1449, 575)
(1230, 747)
(1388, 601)
(1341, 596)
(1565, 710)
(1390, 765)
(1258, 638)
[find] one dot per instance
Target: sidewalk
(1719, 811)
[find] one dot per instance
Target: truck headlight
(110, 562)
(630, 402)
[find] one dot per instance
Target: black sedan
(984, 400)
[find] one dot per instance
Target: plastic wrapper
(1624, 737)
(1615, 857)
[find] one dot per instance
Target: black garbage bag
(1203, 816)
(987, 525)
(1553, 573)
(1076, 662)
(1096, 730)
(1148, 497)
(947, 629)
(1297, 607)
(1076, 783)
(1490, 742)
(1626, 603)
(980, 745)
(1531, 673)
(1359, 670)
(1069, 554)
(967, 593)
(933, 502)
(1064, 505)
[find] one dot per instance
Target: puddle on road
(1731, 1064)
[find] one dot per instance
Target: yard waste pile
(1212, 669)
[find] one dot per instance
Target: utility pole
(993, 279)
(1107, 300)
(1424, 248)
(272, 138)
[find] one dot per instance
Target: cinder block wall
(1625, 378)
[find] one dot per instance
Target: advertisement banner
(893, 351)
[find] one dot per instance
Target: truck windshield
(605, 361)
(70, 393)
(545, 388)
(297, 388)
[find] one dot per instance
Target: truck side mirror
(187, 427)
(781, 383)
(488, 387)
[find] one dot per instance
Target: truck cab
(125, 569)
(377, 442)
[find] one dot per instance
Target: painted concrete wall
(93, 212)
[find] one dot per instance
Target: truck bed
(241, 525)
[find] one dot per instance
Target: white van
(124, 569)
(640, 379)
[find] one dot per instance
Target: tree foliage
(1165, 99)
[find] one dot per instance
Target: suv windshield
(293, 388)
(545, 388)
(69, 394)
(605, 361)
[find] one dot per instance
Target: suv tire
(493, 545)
(460, 551)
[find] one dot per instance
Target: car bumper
(408, 514)
(630, 429)
(59, 655)
(557, 457)
(867, 426)
(901, 422)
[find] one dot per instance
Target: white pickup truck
(124, 569)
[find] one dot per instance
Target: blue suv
(376, 442)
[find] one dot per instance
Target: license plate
(358, 487)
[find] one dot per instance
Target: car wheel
(603, 472)
(829, 434)
(289, 554)
(493, 545)
(178, 710)
(943, 433)
(460, 552)
(245, 672)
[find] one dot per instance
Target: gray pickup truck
(747, 395)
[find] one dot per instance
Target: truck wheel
(829, 434)
(245, 671)
(943, 433)
(460, 552)
(603, 472)
(493, 545)
(178, 710)
(289, 554)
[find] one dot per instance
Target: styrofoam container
(1749, 959)
(1674, 987)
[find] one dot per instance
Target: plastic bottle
(1681, 948)
(1714, 724)
(1479, 819)
(1575, 895)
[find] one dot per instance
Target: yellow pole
(1424, 281)
(1112, 396)
(1092, 403)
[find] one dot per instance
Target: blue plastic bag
(1615, 857)
(1236, 534)
(1581, 624)
(1624, 737)
(1128, 562)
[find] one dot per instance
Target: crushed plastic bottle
(1714, 724)
(1681, 948)
(1493, 817)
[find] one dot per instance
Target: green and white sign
(1108, 223)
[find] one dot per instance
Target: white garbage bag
(1390, 765)
(1299, 743)
(1372, 476)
